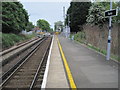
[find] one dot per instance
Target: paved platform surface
(56, 74)
(89, 69)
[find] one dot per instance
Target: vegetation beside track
(80, 37)
(91, 26)
(9, 40)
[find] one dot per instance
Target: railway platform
(77, 66)
(89, 69)
(69, 65)
(55, 76)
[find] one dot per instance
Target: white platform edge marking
(47, 67)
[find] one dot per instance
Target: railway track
(15, 51)
(11, 63)
(29, 73)
(17, 46)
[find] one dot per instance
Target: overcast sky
(50, 11)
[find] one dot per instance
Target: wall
(98, 37)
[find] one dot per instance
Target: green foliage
(30, 26)
(43, 24)
(80, 37)
(106, 5)
(29, 36)
(118, 16)
(51, 30)
(14, 17)
(96, 13)
(104, 52)
(77, 15)
(58, 25)
(9, 40)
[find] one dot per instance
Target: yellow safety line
(70, 78)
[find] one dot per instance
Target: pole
(64, 15)
(68, 19)
(64, 21)
(69, 23)
(109, 35)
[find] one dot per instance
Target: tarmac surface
(56, 74)
(89, 69)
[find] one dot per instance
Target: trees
(77, 12)
(87, 12)
(96, 13)
(30, 26)
(58, 25)
(51, 30)
(43, 24)
(14, 17)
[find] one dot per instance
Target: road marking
(70, 78)
(43, 86)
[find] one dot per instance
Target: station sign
(112, 12)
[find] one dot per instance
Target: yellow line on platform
(70, 78)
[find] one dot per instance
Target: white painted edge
(47, 67)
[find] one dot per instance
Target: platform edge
(47, 66)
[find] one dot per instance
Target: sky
(50, 11)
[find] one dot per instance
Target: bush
(80, 36)
(9, 40)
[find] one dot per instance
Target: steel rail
(39, 67)
(5, 52)
(12, 68)
(3, 62)
(18, 65)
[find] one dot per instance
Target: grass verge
(104, 52)
(80, 37)
(9, 40)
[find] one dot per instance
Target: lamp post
(64, 15)
(68, 26)
(109, 34)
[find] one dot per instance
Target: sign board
(112, 12)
